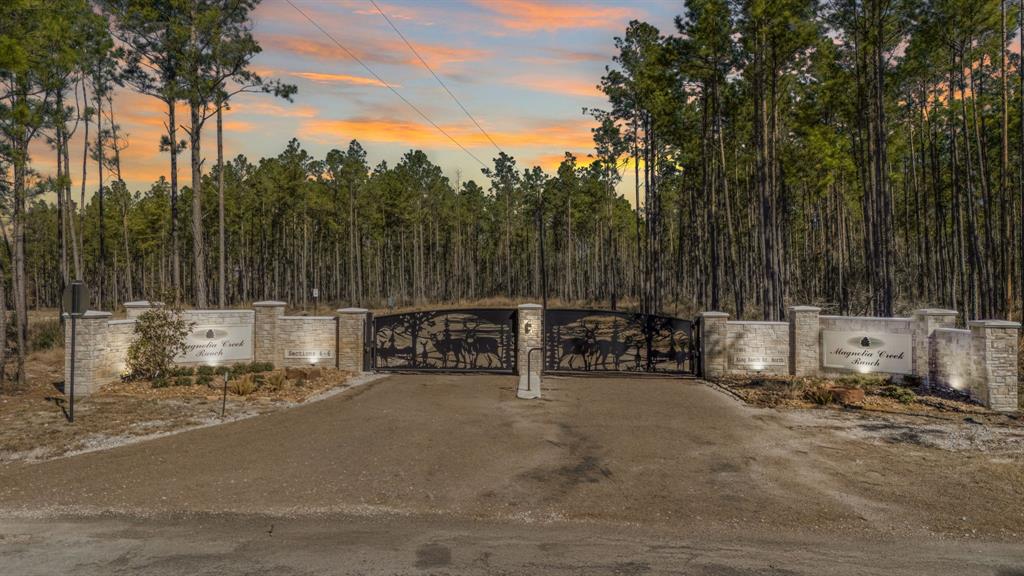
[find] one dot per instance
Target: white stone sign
(757, 362)
(311, 355)
(218, 344)
(867, 351)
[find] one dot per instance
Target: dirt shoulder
(34, 426)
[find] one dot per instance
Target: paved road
(450, 474)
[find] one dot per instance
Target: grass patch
(819, 394)
(900, 394)
(45, 334)
(243, 385)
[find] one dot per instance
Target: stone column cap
(714, 314)
(91, 315)
(352, 310)
(141, 304)
(269, 303)
(530, 306)
(935, 312)
(804, 309)
(994, 324)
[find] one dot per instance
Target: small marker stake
(224, 399)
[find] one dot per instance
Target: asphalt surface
(451, 474)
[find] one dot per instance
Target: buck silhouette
(580, 346)
(477, 347)
(613, 347)
(446, 345)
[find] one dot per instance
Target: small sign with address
(867, 351)
(756, 361)
(308, 354)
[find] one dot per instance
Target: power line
(385, 83)
(434, 74)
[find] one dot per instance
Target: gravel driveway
(439, 473)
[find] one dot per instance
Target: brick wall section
(925, 322)
(951, 361)
(713, 344)
(757, 339)
(265, 329)
(994, 381)
(804, 341)
(530, 336)
(351, 322)
(306, 333)
(90, 352)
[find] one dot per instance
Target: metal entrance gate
(606, 341)
(481, 340)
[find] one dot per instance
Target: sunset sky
(523, 68)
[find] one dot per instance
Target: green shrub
(261, 367)
(819, 394)
(239, 370)
(205, 370)
(204, 379)
(45, 335)
(160, 334)
(160, 382)
(182, 371)
(902, 395)
(183, 381)
(912, 381)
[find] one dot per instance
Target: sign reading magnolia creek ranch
(217, 344)
(867, 351)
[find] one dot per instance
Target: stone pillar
(926, 321)
(90, 348)
(531, 317)
(714, 357)
(804, 345)
(264, 331)
(135, 309)
(994, 375)
(351, 328)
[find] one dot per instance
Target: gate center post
(529, 338)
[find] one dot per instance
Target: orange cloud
(572, 135)
(534, 15)
(340, 78)
(558, 85)
(266, 106)
(383, 52)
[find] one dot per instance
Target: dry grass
(33, 425)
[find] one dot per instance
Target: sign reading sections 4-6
(867, 351)
(217, 344)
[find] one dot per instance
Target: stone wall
(982, 360)
(994, 373)
(351, 330)
(314, 336)
(328, 341)
(757, 347)
(949, 365)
